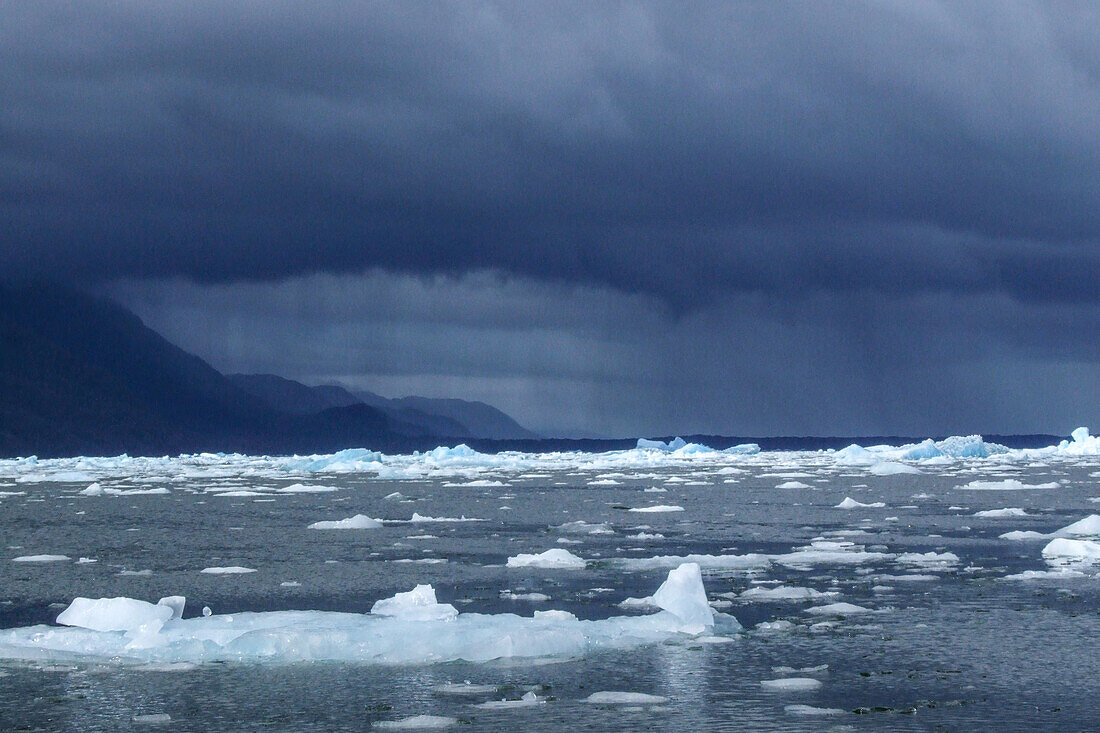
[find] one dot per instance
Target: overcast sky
(608, 218)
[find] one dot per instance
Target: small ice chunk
(614, 697)
(227, 570)
(792, 485)
(114, 614)
(658, 509)
(418, 604)
(1062, 549)
(553, 558)
(153, 719)
(1012, 511)
(837, 609)
(683, 595)
(416, 722)
(359, 521)
(850, 503)
(40, 558)
(528, 699)
(791, 684)
(891, 468)
(810, 710)
(93, 490)
(785, 593)
(176, 603)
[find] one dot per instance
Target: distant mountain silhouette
(448, 418)
(80, 375)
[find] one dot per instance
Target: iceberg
(409, 628)
(359, 521)
(850, 503)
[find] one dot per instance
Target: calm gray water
(944, 644)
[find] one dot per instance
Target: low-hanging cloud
(688, 152)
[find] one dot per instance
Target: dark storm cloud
(687, 151)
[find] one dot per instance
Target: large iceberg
(409, 628)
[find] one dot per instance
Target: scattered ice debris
(553, 558)
(792, 485)
(136, 573)
(394, 496)
(810, 710)
(528, 699)
(419, 518)
(646, 536)
(416, 722)
(1010, 484)
(418, 604)
(419, 631)
(785, 593)
(658, 509)
(837, 609)
(40, 558)
(464, 688)
(1006, 512)
(583, 527)
(290, 584)
(791, 684)
(227, 570)
(929, 560)
(773, 626)
(850, 503)
(359, 521)
(615, 697)
(86, 561)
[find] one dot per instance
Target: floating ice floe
(792, 485)
(359, 521)
(1072, 552)
(818, 552)
(658, 509)
(615, 697)
(227, 570)
(40, 558)
(416, 722)
(553, 558)
(837, 609)
(409, 628)
(1011, 511)
(1009, 484)
(1087, 527)
(785, 593)
(791, 684)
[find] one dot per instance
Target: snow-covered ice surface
(851, 618)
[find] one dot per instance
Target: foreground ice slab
(410, 628)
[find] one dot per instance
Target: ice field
(951, 584)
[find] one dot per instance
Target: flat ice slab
(410, 628)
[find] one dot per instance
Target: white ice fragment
(792, 485)
(891, 468)
(114, 614)
(418, 604)
(359, 521)
(92, 490)
(553, 558)
(615, 697)
(791, 684)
